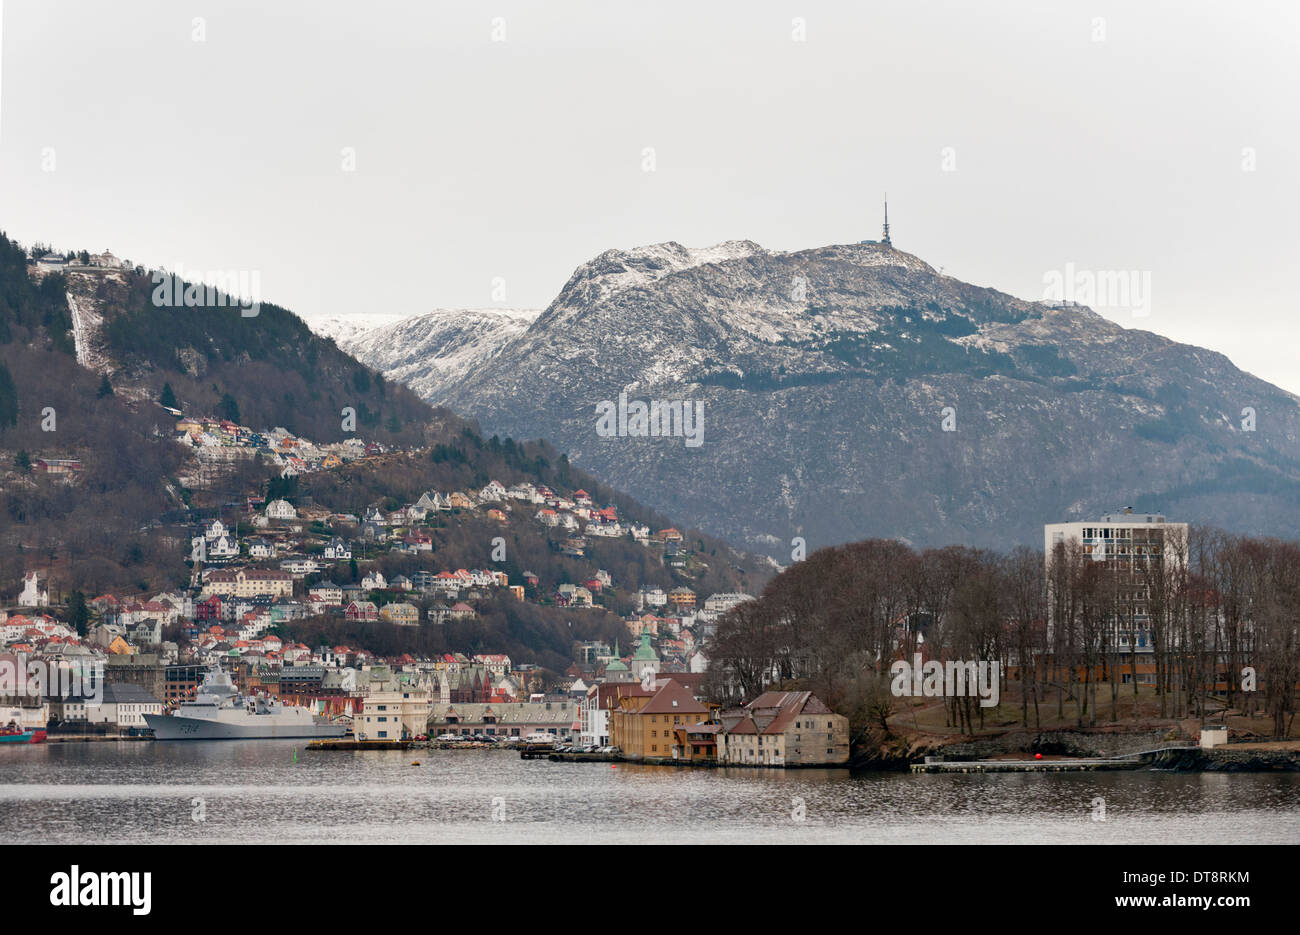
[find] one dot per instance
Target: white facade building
(33, 594)
(1130, 543)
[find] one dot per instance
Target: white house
(123, 706)
(280, 509)
(723, 601)
(651, 596)
(300, 566)
(223, 547)
(338, 549)
(33, 594)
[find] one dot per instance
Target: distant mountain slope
(433, 352)
(345, 329)
(825, 374)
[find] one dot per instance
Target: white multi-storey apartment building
(1129, 543)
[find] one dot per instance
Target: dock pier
(1136, 760)
(364, 744)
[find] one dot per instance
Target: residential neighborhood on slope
(276, 560)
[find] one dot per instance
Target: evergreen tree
(168, 398)
(8, 398)
(228, 408)
(78, 613)
(105, 388)
(23, 462)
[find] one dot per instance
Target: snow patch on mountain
(436, 350)
(349, 327)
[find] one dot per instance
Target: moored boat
(220, 712)
(13, 732)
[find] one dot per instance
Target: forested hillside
(123, 519)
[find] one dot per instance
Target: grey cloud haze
(1013, 140)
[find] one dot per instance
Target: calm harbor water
(257, 792)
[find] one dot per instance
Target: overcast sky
(1014, 139)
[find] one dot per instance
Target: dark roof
(772, 712)
(127, 693)
(673, 698)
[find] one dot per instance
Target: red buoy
(1038, 756)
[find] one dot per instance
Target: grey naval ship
(220, 712)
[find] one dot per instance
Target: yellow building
(248, 582)
(395, 715)
(682, 598)
(400, 613)
(644, 722)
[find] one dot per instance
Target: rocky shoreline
(900, 753)
(1227, 760)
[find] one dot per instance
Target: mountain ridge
(826, 374)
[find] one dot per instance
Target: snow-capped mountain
(853, 391)
(348, 328)
(433, 351)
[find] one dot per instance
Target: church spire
(885, 237)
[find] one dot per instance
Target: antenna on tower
(885, 236)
